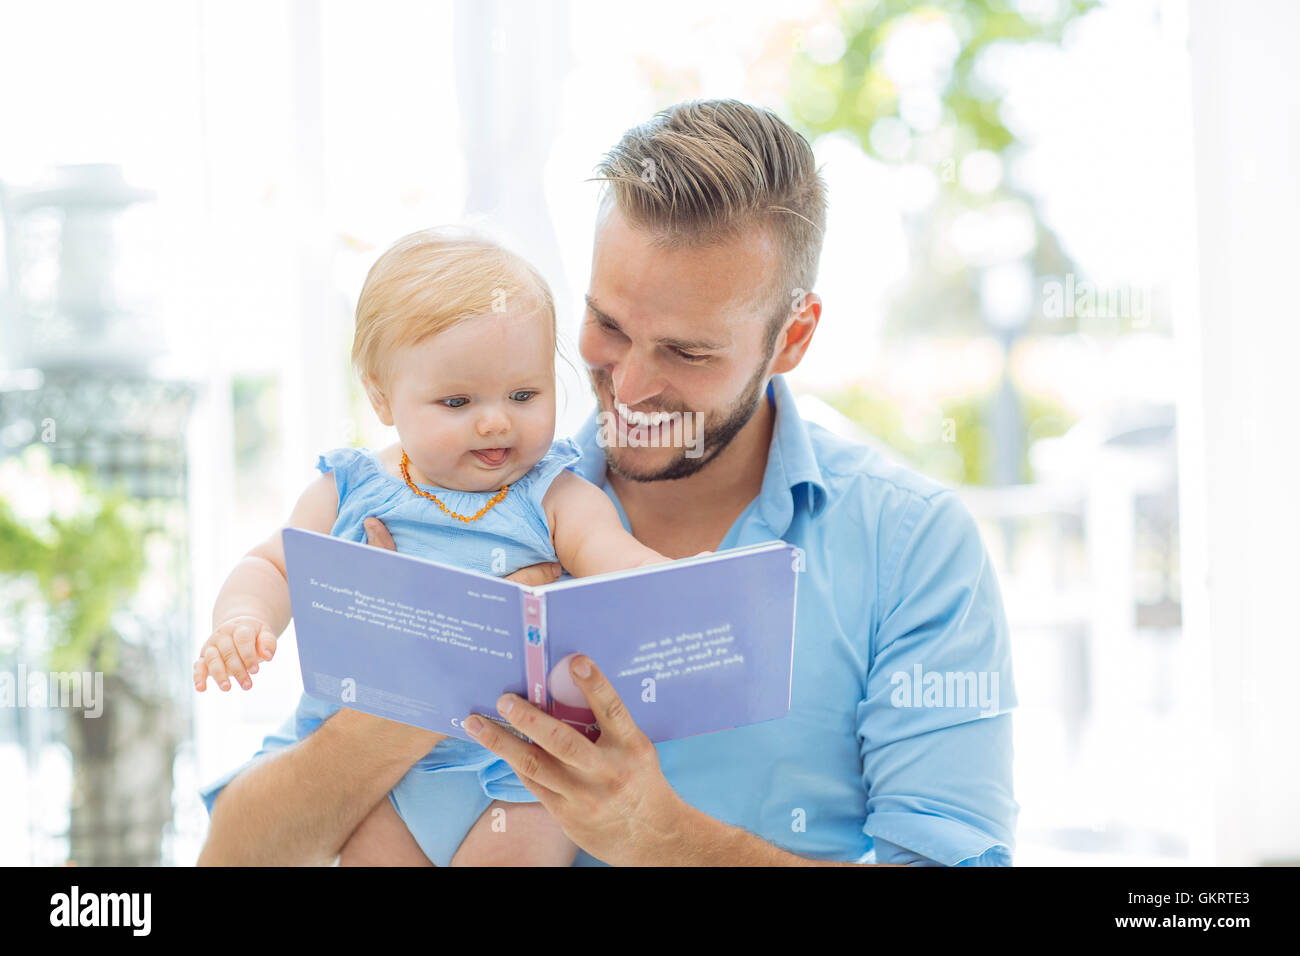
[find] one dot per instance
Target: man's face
(680, 332)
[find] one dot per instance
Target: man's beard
(716, 433)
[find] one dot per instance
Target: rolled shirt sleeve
(935, 724)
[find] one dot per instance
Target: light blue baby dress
(512, 535)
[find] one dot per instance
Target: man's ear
(378, 400)
(796, 333)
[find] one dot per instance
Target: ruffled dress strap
(351, 467)
(563, 454)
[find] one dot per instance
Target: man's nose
(635, 381)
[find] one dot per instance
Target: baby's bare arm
(253, 609)
(588, 536)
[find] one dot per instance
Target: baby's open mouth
(493, 457)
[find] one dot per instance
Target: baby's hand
(234, 649)
(535, 575)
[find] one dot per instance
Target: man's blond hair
(704, 171)
(428, 281)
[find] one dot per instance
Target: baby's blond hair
(430, 280)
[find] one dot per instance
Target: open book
(691, 646)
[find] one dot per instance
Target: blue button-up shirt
(897, 746)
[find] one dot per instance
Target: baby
(455, 345)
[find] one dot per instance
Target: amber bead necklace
(492, 502)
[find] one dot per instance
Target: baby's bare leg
(382, 839)
(515, 834)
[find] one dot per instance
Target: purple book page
(402, 637)
(690, 647)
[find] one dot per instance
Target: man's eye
(460, 401)
(605, 326)
(524, 392)
(689, 356)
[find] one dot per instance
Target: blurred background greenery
(77, 560)
(912, 87)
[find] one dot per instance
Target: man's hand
(610, 797)
(377, 534)
(532, 576)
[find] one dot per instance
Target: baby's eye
(525, 393)
(459, 402)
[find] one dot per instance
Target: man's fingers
(562, 742)
(377, 534)
(611, 714)
(549, 799)
(528, 761)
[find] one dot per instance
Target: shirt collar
(792, 474)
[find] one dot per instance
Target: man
(898, 740)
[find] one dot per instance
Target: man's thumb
(377, 534)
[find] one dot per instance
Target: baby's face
(475, 405)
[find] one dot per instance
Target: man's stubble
(716, 434)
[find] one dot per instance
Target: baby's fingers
(200, 676)
(247, 646)
(212, 658)
(232, 653)
(265, 646)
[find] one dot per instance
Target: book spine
(535, 651)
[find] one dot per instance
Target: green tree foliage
(943, 55)
(79, 545)
(854, 92)
(956, 448)
(945, 48)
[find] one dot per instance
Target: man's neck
(687, 515)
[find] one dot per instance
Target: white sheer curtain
(1240, 455)
(511, 60)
